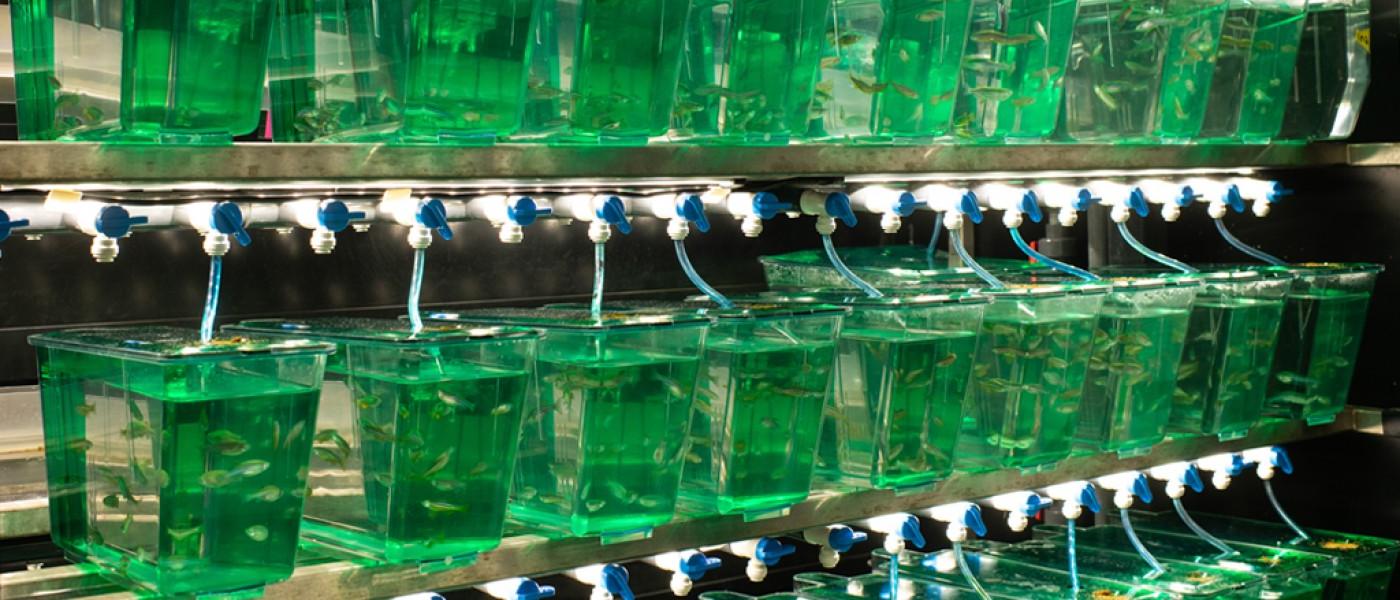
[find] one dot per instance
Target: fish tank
(903, 365)
(1140, 70)
(749, 71)
(1258, 52)
(1029, 377)
(140, 71)
(403, 71)
(890, 70)
(893, 267)
(1013, 70)
(1004, 577)
(877, 586)
(1178, 579)
(414, 445)
(176, 464)
(1287, 574)
(603, 71)
(1364, 563)
(606, 418)
(1324, 315)
(1333, 71)
(1137, 348)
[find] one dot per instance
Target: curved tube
(1278, 508)
(955, 239)
(211, 301)
(1062, 267)
(894, 576)
(1073, 560)
(966, 570)
(933, 240)
(1246, 248)
(597, 305)
(1137, 545)
(695, 278)
(1196, 529)
(1153, 254)
(846, 271)
(415, 289)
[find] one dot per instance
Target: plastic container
(1364, 563)
(902, 370)
(1334, 70)
(417, 71)
(876, 586)
(1013, 69)
(1179, 580)
(604, 71)
(1253, 70)
(1028, 380)
(1006, 578)
(885, 267)
(1324, 316)
(1132, 371)
(415, 441)
(606, 418)
(890, 70)
(179, 71)
(179, 466)
(1140, 70)
(750, 71)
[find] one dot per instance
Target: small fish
(988, 36)
(769, 423)
(250, 468)
(92, 114)
(329, 456)
(830, 61)
(501, 410)
(455, 401)
(136, 429)
(903, 55)
(649, 501)
(293, 434)
(1041, 32)
(377, 432)
(86, 410)
(227, 442)
(1019, 40)
(867, 87)
(1291, 378)
(1178, 109)
(447, 485)
(552, 500)
(369, 402)
(947, 361)
(1106, 97)
(929, 16)
(215, 479)
(990, 94)
(439, 464)
(111, 501)
(904, 90)
(443, 507)
(257, 533)
(269, 493)
(181, 535)
(848, 39)
(1056, 362)
(595, 505)
(1023, 101)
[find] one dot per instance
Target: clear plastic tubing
(1062, 267)
(698, 281)
(597, 306)
(415, 289)
(1246, 248)
(1196, 529)
(956, 239)
(1152, 254)
(846, 271)
(1073, 561)
(211, 301)
(933, 240)
(962, 562)
(1278, 508)
(1137, 544)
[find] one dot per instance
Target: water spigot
(108, 223)
(1223, 467)
(518, 588)
(1074, 497)
(1268, 460)
(1020, 507)
(961, 518)
(324, 219)
(1178, 476)
(7, 225)
(1125, 486)
(753, 208)
(762, 553)
(686, 568)
(610, 581)
(891, 204)
(833, 540)
(225, 219)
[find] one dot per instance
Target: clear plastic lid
(170, 344)
(742, 310)
(570, 318)
(858, 300)
(379, 331)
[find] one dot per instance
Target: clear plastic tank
(1253, 70)
(885, 267)
(1013, 69)
(1334, 70)
(1007, 578)
(1180, 580)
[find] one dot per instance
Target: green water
(1131, 377)
(1332, 73)
(1004, 578)
(1013, 69)
(1319, 337)
(1253, 73)
(185, 479)
(605, 71)
(896, 407)
(1193, 37)
(1225, 366)
(604, 442)
(1114, 70)
(434, 458)
(890, 69)
(188, 71)
(750, 70)
(1027, 386)
(1181, 580)
(756, 423)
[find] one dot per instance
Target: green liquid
(182, 478)
(1253, 73)
(189, 71)
(1225, 366)
(756, 423)
(890, 69)
(619, 80)
(1132, 374)
(1319, 337)
(1030, 377)
(1003, 578)
(897, 406)
(434, 458)
(1115, 65)
(1179, 579)
(1332, 74)
(750, 69)
(602, 450)
(1013, 69)
(1193, 33)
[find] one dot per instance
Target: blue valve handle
(838, 206)
(1187, 196)
(1277, 191)
(1030, 206)
(529, 589)
(842, 538)
(766, 205)
(113, 221)
(334, 216)
(614, 212)
(1137, 202)
(906, 204)
(1142, 489)
(1089, 499)
(1034, 504)
(1192, 479)
(7, 226)
(770, 550)
(691, 208)
(695, 565)
(1236, 465)
(913, 533)
(614, 581)
(433, 215)
(1233, 199)
(227, 218)
(967, 205)
(524, 211)
(972, 519)
(1084, 200)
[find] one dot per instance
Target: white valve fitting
(419, 237)
(756, 569)
(1012, 219)
(952, 514)
(1261, 207)
(1219, 466)
(1217, 209)
(215, 243)
(880, 200)
(510, 233)
(104, 249)
(678, 229)
(890, 222)
(1069, 496)
(893, 526)
(1171, 212)
(1067, 216)
(1171, 474)
(751, 226)
(1122, 486)
(322, 240)
(1263, 459)
(599, 231)
(1014, 505)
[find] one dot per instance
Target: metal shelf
(31, 165)
(532, 555)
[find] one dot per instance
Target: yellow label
(60, 197)
(1363, 37)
